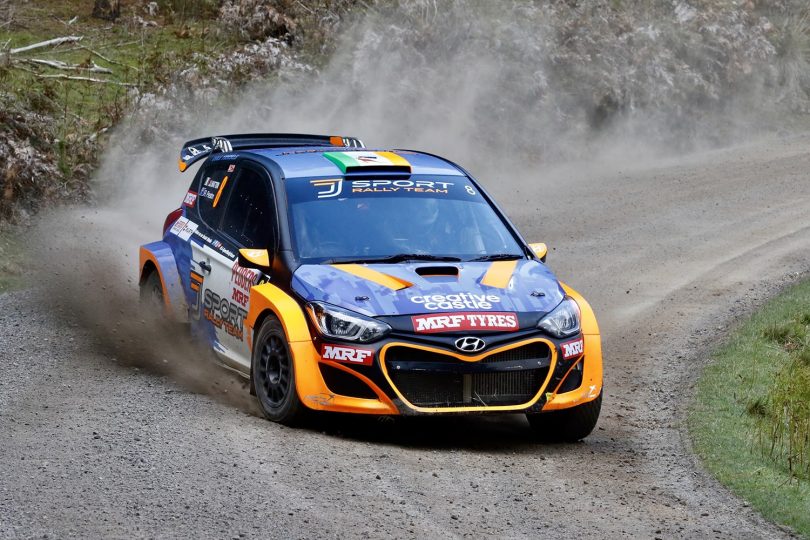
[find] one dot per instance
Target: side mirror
(258, 259)
(540, 249)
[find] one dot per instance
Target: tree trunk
(109, 10)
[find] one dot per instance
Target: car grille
(432, 379)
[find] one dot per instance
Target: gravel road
(93, 444)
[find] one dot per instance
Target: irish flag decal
(357, 161)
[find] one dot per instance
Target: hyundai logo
(470, 344)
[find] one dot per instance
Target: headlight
(335, 322)
(563, 321)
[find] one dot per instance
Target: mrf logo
(328, 188)
(345, 353)
(572, 348)
(450, 322)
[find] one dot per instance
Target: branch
(86, 79)
(108, 60)
(58, 64)
(99, 47)
(48, 43)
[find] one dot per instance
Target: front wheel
(273, 374)
(567, 425)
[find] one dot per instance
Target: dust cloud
(469, 80)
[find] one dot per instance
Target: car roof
(309, 162)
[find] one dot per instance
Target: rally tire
(152, 294)
(567, 425)
(273, 375)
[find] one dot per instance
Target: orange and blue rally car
(386, 282)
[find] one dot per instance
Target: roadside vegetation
(12, 264)
(751, 420)
(59, 101)
(71, 71)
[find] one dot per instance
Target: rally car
(339, 278)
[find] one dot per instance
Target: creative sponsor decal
(224, 314)
(571, 349)
(328, 188)
(183, 228)
(394, 186)
(231, 167)
(190, 199)
(456, 301)
(348, 354)
(450, 322)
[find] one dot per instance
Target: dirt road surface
(668, 254)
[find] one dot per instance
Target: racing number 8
(470, 190)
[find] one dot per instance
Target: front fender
(592, 373)
(266, 298)
(159, 255)
(309, 383)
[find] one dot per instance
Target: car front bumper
(409, 377)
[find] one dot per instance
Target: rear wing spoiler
(195, 150)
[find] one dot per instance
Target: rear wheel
(567, 425)
(273, 373)
(152, 294)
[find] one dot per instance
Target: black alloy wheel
(273, 374)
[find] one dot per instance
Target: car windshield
(388, 220)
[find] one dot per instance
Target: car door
(246, 219)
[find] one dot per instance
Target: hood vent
(437, 271)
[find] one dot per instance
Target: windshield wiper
(399, 257)
(497, 257)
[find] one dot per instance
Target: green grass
(138, 57)
(741, 421)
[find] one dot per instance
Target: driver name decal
(449, 322)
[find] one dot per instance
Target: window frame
(266, 179)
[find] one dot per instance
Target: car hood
(419, 288)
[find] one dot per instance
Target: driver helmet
(426, 212)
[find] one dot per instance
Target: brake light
(171, 218)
